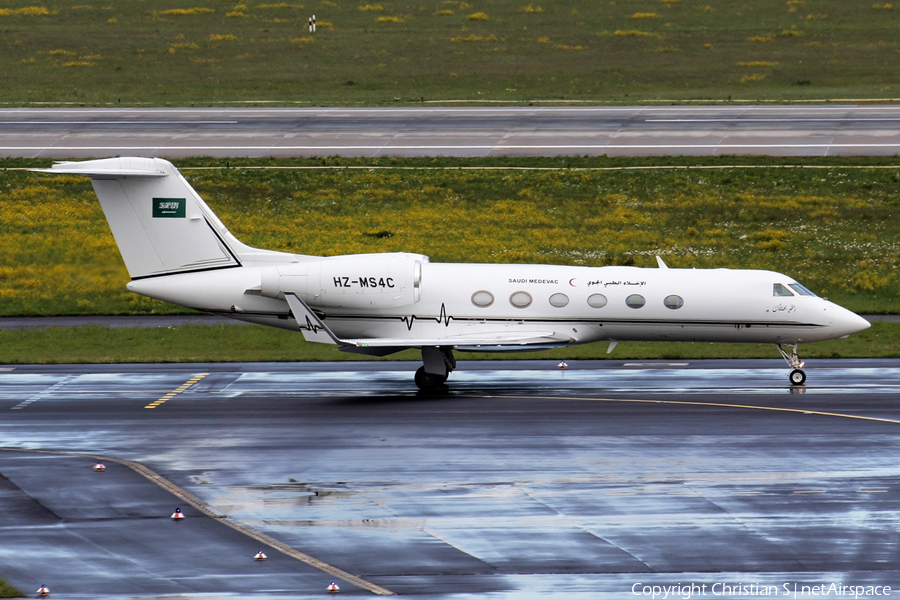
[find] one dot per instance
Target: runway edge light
(178, 515)
(43, 591)
(99, 467)
(260, 556)
(333, 588)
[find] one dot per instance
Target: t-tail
(161, 225)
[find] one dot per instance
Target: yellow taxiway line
(177, 390)
(800, 411)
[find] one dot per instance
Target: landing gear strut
(439, 363)
(797, 376)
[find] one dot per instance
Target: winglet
(314, 330)
(662, 265)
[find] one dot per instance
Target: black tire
(797, 377)
(426, 381)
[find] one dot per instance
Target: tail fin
(159, 222)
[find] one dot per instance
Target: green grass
(239, 343)
(8, 591)
(836, 229)
(399, 51)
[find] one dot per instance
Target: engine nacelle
(352, 281)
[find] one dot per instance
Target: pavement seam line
(211, 512)
(184, 386)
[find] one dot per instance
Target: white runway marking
(747, 119)
(123, 122)
(42, 395)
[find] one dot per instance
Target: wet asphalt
(518, 481)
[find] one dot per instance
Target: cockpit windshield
(800, 289)
(780, 290)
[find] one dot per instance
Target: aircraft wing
(521, 338)
(314, 330)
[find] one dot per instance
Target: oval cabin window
(482, 299)
(559, 300)
(520, 299)
(635, 301)
(673, 302)
(596, 300)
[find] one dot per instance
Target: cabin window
(635, 301)
(673, 302)
(482, 298)
(520, 299)
(596, 300)
(800, 289)
(559, 300)
(780, 290)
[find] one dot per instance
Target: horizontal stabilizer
(94, 171)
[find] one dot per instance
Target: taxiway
(521, 481)
(808, 130)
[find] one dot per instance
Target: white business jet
(178, 251)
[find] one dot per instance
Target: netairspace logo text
(691, 590)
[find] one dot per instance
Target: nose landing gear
(797, 376)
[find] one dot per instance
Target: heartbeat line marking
(441, 318)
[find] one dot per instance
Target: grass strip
(831, 222)
(8, 591)
(239, 343)
(403, 52)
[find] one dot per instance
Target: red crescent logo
(570, 282)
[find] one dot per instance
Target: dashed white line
(748, 119)
(43, 394)
(124, 122)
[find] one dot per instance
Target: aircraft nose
(848, 323)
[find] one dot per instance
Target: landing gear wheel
(426, 381)
(797, 377)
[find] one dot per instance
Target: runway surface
(522, 481)
(816, 130)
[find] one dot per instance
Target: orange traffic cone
(333, 588)
(99, 467)
(178, 515)
(260, 556)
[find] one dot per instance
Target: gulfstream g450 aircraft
(178, 251)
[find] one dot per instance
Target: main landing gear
(439, 363)
(797, 376)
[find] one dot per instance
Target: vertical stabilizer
(159, 222)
